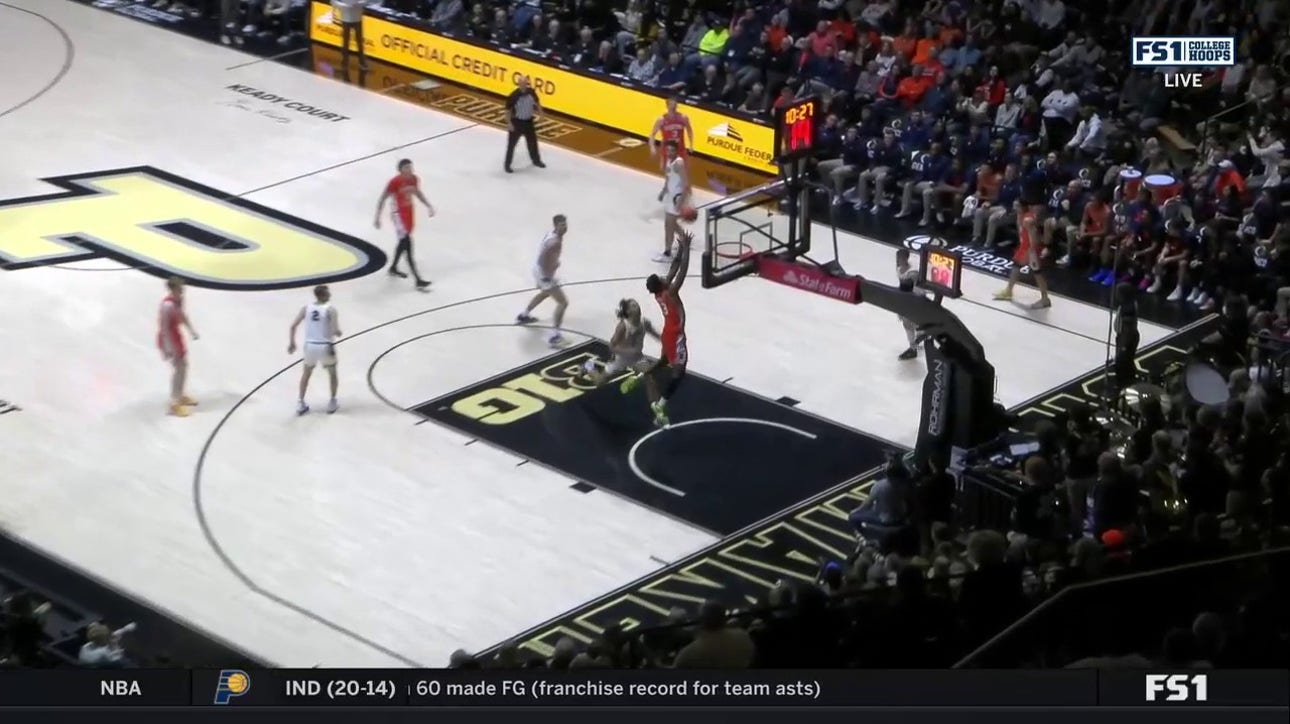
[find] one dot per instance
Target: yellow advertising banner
(599, 101)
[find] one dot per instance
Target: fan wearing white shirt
(1049, 15)
(1090, 134)
(1060, 108)
(102, 649)
(1269, 150)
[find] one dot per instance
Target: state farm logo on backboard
(809, 278)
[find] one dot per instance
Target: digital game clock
(795, 127)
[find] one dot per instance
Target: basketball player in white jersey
(548, 261)
(907, 278)
(322, 329)
(626, 346)
(676, 196)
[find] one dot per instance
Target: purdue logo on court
(166, 225)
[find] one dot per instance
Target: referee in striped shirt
(522, 107)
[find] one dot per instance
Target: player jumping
(322, 329)
(403, 188)
(675, 354)
(626, 346)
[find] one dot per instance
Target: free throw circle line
(636, 468)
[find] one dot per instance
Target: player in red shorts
(404, 189)
(1030, 252)
(673, 126)
(675, 354)
(171, 321)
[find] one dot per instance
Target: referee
(522, 106)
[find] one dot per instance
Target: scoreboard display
(796, 126)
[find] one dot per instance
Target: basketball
(689, 214)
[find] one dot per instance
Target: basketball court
(424, 516)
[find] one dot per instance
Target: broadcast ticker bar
(597, 688)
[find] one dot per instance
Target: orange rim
(744, 250)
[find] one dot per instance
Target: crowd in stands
(958, 109)
(283, 20)
(31, 637)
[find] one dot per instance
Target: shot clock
(941, 271)
(795, 128)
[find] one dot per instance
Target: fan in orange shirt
(912, 89)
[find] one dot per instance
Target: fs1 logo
(1177, 687)
(1173, 52)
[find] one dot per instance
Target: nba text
(1177, 687)
(120, 687)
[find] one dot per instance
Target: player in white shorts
(322, 329)
(626, 346)
(548, 261)
(676, 196)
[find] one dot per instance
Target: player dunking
(548, 261)
(676, 196)
(171, 321)
(404, 189)
(322, 329)
(1029, 253)
(675, 353)
(671, 126)
(626, 345)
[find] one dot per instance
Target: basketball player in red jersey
(673, 126)
(171, 321)
(675, 354)
(404, 189)
(1029, 253)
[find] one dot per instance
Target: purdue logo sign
(167, 226)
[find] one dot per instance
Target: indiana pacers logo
(232, 683)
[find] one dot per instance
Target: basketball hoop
(744, 250)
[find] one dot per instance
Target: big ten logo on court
(529, 393)
(166, 225)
